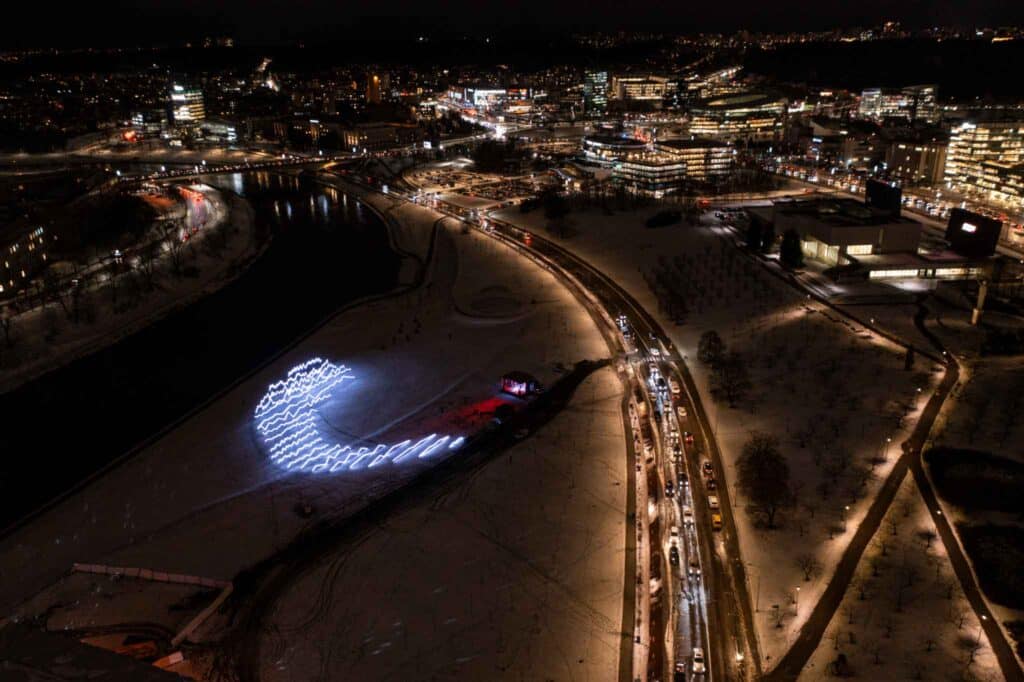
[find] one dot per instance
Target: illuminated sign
(295, 436)
(969, 228)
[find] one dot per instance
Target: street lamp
(846, 508)
(888, 441)
(798, 599)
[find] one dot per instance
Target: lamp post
(888, 441)
(846, 508)
(798, 600)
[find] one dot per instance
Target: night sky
(263, 21)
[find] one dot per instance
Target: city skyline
(323, 22)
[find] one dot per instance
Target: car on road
(680, 674)
(673, 555)
(687, 515)
(688, 437)
(694, 569)
(712, 484)
(707, 469)
(655, 353)
(682, 411)
(674, 533)
(713, 502)
(698, 661)
(670, 489)
(716, 522)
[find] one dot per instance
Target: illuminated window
(859, 249)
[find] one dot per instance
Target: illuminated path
(295, 436)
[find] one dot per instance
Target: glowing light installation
(296, 437)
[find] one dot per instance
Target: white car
(687, 515)
(698, 661)
(713, 501)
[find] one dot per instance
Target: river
(327, 250)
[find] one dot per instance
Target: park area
(833, 398)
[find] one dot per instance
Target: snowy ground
(983, 414)
(817, 379)
(904, 616)
(33, 354)
(515, 574)
(89, 603)
(204, 500)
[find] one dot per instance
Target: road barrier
(151, 575)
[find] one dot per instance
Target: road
(712, 611)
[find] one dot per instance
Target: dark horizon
(158, 22)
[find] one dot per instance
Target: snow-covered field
(983, 414)
(904, 616)
(516, 573)
(205, 500)
(831, 391)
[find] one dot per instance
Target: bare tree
(808, 565)
(730, 380)
(763, 475)
(171, 239)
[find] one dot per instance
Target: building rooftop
(692, 143)
(37, 655)
(742, 100)
(838, 212)
(615, 140)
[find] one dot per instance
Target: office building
(912, 103)
(647, 88)
(595, 92)
(916, 157)
(832, 229)
(985, 160)
(187, 104)
(660, 168)
(149, 123)
(219, 130)
(747, 116)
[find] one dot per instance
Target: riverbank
(45, 339)
(109, 402)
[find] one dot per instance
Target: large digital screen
(972, 234)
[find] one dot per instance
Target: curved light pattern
(296, 437)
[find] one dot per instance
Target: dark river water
(327, 250)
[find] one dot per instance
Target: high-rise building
(922, 103)
(187, 104)
(913, 103)
(595, 92)
(986, 160)
(377, 86)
